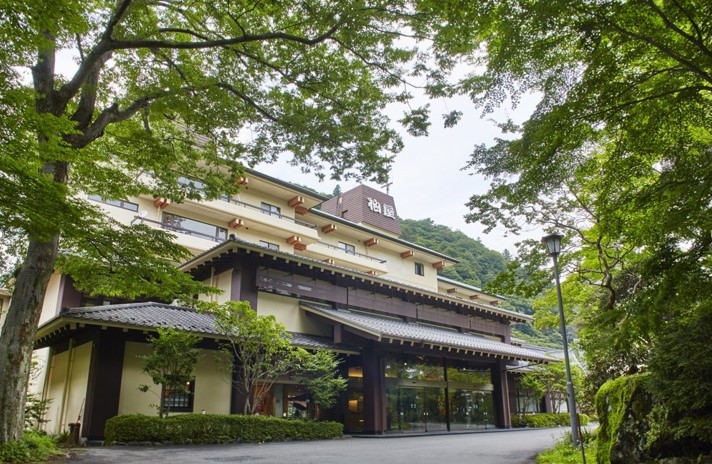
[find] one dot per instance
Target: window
(347, 248)
(269, 246)
(180, 401)
(192, 227)
(419, 269)
(118, 203)
(270, 209)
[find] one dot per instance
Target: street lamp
(553, 247)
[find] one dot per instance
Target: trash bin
(73, 438)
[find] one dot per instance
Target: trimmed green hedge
(215, 428)
(544, 420)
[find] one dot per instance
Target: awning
(395, 330)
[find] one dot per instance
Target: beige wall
(212, 390)
(66, 387)
(288, 313)
(50, 304)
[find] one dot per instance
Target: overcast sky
(427, 177)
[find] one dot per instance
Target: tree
(319, 373)
(616, 156)
(257, 352)
(170, 364)
(550, 380)
(161, 90)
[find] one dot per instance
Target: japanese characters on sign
(375, 206)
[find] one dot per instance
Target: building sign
(375, 206)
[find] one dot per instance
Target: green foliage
(34, 447)
(35, 409)
(258, 349)
(546, 420)
(478, 264)
(550, 379)
(565, 453)
(614, 401)
(171, 363)
(319, 372)
(215, 428)
(683, 407)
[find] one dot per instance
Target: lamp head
(553, 244)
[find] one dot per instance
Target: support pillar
(374, 391)
(501, 395)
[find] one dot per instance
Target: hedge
(544, 420)
(214, 428)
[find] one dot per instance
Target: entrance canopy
(393, 330)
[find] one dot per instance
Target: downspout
(212, 282)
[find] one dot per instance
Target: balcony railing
(382, 261)
(270, 213)
(182, 230)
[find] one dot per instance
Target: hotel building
(421, 352)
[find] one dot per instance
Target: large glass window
(429, 394)
(192, 227)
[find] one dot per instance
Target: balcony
(266, 221)
(189, 237)
(346, 258)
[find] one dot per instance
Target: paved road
(495, 447)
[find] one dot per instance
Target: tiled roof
(426, 335)
(150, 314)
(158, 315)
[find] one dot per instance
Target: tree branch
(135, 44)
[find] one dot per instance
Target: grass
(564, 453)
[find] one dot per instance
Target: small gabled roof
(416, 334)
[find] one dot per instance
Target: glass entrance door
(416, 409)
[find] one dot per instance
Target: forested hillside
(478, 264)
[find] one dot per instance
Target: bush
(545, 420)
(33, 447)
(215, 428)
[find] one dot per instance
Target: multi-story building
(421, 352)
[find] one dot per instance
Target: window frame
(269, 245)
(269, 208)
(347, 248)
(185, 401)
(219, 235)
(123, 204)
(419, 268)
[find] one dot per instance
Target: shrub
(544, 420)
(34, 446)
(215, 428)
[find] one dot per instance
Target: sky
(427, 180)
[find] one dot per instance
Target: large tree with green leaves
(161, 89)
(617, 155)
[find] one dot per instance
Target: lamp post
(553, 246)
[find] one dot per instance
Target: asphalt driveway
(517, 446)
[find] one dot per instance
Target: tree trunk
(18, 335)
